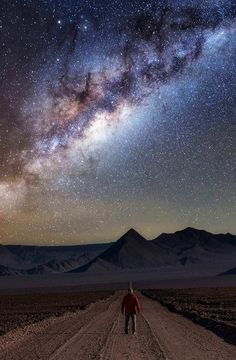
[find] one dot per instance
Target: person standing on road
(130, 307)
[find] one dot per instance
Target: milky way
(116, 115)
(154, 48)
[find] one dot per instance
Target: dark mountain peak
(190, 239)
(131, 230)
(186, 232)
(132, 233)
(193, 230)
(130, 251)
(189, 228)
(131, 237)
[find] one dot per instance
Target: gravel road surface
(97, 333)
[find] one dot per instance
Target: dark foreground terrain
(24, 309)
(214, 308)
(97, 332)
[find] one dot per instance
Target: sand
(97, 333)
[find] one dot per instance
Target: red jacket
(130, 304)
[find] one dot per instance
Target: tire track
(155, 340)
(90, 338)
(107, 351)
(98, 333)
(142, 346)
(43, 339)
(109, 346)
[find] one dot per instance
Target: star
(118, 113)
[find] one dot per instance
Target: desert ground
(18, 310)
(152, 279)
(96, 332)
(213, 308)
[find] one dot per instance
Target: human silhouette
(130, 307)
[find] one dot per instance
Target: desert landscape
(18, 310)
(89, 325)
(186, 253)
(65, 302)
(213, 308)
(117, 175)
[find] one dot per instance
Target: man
(130, 307)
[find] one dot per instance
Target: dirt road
(97, 333)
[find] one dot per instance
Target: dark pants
(133, 318)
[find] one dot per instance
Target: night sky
(116, 114)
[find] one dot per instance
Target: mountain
(189, 248)
(189, 260)
(131, 251)
(9, 259)
(197, 246)
(199, 241)
(189, 251)
(61, 266)
(229, 272)
(199, 250)
(32, 256)
(4, 270)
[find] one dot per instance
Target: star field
(116, 114)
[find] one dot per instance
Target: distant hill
(200, 240)
(29, 256)
(229, 272)
(201, 248)
(197, 246)
(9, 259)
(6, 271)
(61, 266)
(185, 248)
(131, 251)
(190, 251)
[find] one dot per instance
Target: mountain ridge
(183, 249)
(186, 247)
